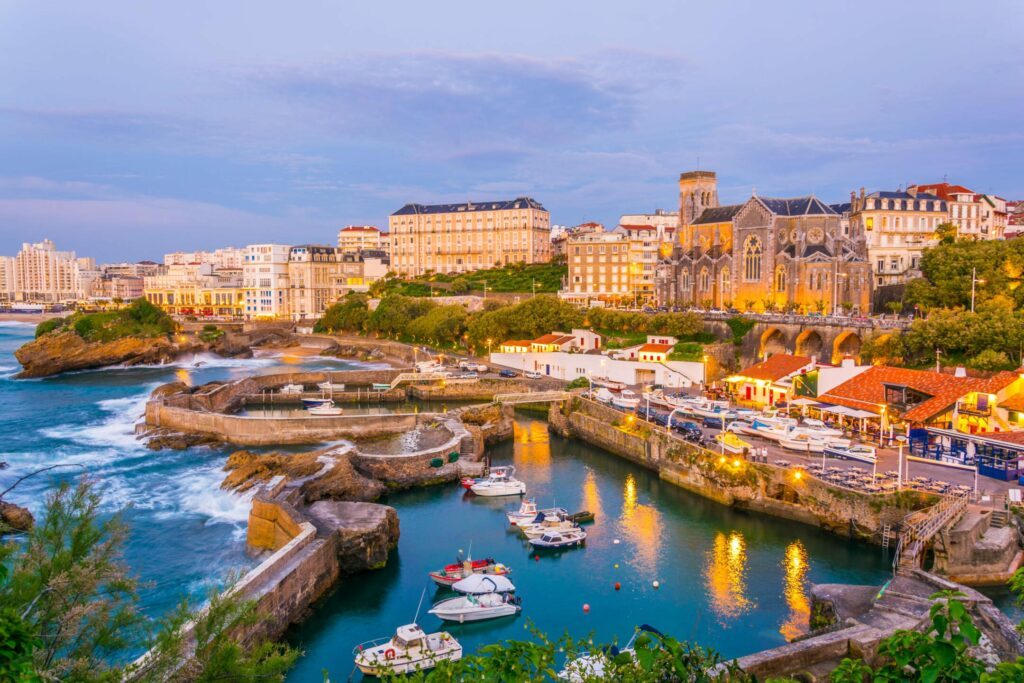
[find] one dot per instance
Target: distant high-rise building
(226, 257)
(44, 275)
(265, 279)
(458, 238)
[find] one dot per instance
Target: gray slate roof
(719, 214)
(504, 205)
(799, 206)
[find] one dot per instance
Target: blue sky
(129, 129)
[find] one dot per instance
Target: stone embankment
(761, 487)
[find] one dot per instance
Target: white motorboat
(812, 426)
(603, 395)
(476, 607)
(591, 667)
(858, 452)
(500, 482)
(331, 386)
(560, 539)
(799, 441)
(626, 399)
(327, 409)
(608, 383)
(550, 523)
(409, 650)
(291, 389)
(478, 584)
(526, 513)
(730, 443)
(766, 430)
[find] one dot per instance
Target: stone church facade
(765, 254)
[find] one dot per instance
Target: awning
(803, 402)
(843, 410)
(977, 438)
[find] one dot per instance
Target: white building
(44, 275)
(353, 239)
(660, 219)
(265, 281)
(226, 257)
(568, 366)
(7, 267)
(976, 216)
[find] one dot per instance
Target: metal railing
(936, 518)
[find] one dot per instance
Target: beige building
(315, 280)
(44, 275)
(976, 216)
(355, 238)
(616, 267)
(197, 289)
(897, 227)
(7, 266)
(226, 257)
(458, 238)
(660, 219)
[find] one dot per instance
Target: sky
(131, 129)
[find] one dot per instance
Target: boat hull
(461, 611)
(499, 490)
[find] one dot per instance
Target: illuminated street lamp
(899, 462)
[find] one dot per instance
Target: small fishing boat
(582, 517)
(477, 607)
(626, 399)
(327, 409)
(527, 512)
(767, 430)
(858, 452)
(409, 650)
(560, 539)
(380, 386)
(603, 395)
(453, 573)
(553, 523)
(731, 443)
(477, 584)
(331, 386)
(799, 440)
(817, 427)
(608, 383)
(291, 389)
(313, 402)
(500, 482)
(591, 667)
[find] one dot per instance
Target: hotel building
(458, 238)
(197, 289)
(265, 280)
(226, 257)
(976, 216)
(614, 267)
(44, 275)
(356, 238)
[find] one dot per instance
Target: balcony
(965, 408)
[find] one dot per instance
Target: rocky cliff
(59, 352)
(318, 475)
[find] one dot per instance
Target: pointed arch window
(726, 281)
(705, 280)
(752, 259)
(780, 279)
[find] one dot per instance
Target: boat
(582, 517)
(409, 650)
(500, 482)
(380, 386)
(799, 440)
(731, 443)
(291, 389)
(626, 399)
(858, 452)
(453, 573)
(477, 584)
(477, 607)
(526, 513)
(331, 386)
(313, 402)
(603, 395)
(767, 430)
(560, 539)
(591, 667)
(608, 383)
(327, 409)
(812, 426)
(549, 523)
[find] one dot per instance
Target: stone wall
(414, 469)
(732, 481)
(481, 390)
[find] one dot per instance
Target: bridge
(532, 397)
(417, 377)
(918, 534)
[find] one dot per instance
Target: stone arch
(846, 344)
(809, 343)
(772, 341)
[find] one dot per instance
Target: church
(794, 255)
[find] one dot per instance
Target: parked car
(532, 375)
(687, 427)
(507, 373)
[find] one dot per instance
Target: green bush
(50, 325)
(578, 383)
(739, 326)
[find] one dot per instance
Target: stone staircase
(999, 518)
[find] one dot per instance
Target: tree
(441, 325)
(946, 232)
(894, 307)
(395, 312)
(532, 318)
(991, 360)
(348, 315)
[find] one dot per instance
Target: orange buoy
(536, 558)
(618, 585)
(586, 607)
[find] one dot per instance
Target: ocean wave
(212, 360)
(116, 431)
(197, 491)
(17, 323)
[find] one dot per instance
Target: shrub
(50, 325)
(578, 383)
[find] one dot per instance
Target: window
(780, 279)
(752, 259)
(705, 283)
(726, 281)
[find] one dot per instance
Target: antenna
(422, 595)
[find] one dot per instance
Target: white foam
(198, 491)
(16, 323)
(116, 431)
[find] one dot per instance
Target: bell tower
(698, 190)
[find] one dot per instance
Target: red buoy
(536, 558)
(586, 607)
(618, 585)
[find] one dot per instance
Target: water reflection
(642, 524)
(532, 448)
(184, 376)
(591, 494)
(795, 570)
(725, 576)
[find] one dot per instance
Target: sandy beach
(30, 317)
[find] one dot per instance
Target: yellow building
(458, 238)
(197, 290)
(615, 267)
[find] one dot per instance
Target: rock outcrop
(59, 352)
(14, 517)
(364, 533)
(318, 475)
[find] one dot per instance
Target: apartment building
(315, 280)
(44, 275)
(458, 238)
(561, 237)
(140, 269)
(897, 228)
(114, 286)
(265, 281)
(197, 289)
(226, 257)
(976, 216)
(614, 267)
(356, 238)
(7, 267)
(660, 219)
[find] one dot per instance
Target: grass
(689, 351)
(622, 340)
(141, 319)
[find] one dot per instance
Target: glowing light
(721, 460)
(798, 474)
(642, 523)
(532, 447)
(183, 376)
(735, 463)
(725, 576)
(795, 567)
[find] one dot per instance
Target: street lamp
(974, 279)
(899, 462)
(489, 341)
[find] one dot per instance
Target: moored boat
(410, 649)
(500, 482)
(327, 409)
(603, 395)
(477, 607)
(626, 399)
(560, 539)
(453, 573)
(851, 452)
(291, 389)
(467, 482)
(730, 443)
(313, 402)
(551, 523)
(526, 513)
(331, 386)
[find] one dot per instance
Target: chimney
(960, 371)
(862, 193)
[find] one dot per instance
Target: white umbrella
(484, 583)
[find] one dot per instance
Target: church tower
(698, 190)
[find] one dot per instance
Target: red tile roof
(655, 348)
(554, 339)
(943, 190)
(866, 390)
(639, 227)
(517, 342)
(1015, 402)
(776, 367)
(1007, 437)
(360, 228)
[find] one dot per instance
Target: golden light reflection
(642, 524)
(795, 590)
(725, 576)
(291, 359)
(591, 496)
(532, 447)
(183, 376)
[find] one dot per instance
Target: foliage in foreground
(140, 319)
(657, 658)
(70, 609)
